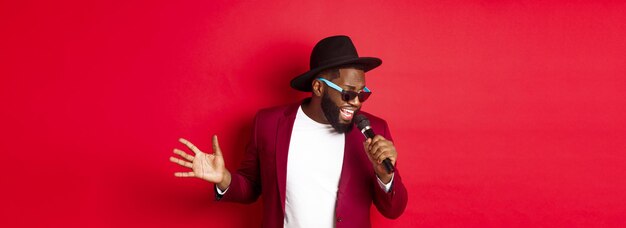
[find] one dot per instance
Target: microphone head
(361, 121)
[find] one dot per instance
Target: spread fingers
(183, 154)
(181, 162)
(190, 145)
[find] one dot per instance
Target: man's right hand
(205, 166)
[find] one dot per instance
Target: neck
(313, 109)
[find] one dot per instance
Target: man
(310, 166)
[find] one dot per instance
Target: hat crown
(332, 49)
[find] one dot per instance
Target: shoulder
(277, 113)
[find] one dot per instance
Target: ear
(318, 89)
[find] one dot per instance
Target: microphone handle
(369, 133)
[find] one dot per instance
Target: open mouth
(346, 113)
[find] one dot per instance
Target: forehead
(350, 77)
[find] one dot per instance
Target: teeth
(347, 111)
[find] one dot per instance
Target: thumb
(216, 146)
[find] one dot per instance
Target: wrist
(223, 185)
(385, 178)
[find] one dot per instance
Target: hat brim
(303, 82)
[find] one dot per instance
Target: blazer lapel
(283, 137)
(349, 158)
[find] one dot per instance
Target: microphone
(364, 125)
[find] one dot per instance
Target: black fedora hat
(332, 52)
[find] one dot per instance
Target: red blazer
(263, 171)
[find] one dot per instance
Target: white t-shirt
(313, 170)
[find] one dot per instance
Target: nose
(355, 102)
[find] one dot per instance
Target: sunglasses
(347, 95)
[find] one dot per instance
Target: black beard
(331, 111)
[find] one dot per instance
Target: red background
(505, 113)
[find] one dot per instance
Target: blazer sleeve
(390, 204)
(245, 185)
